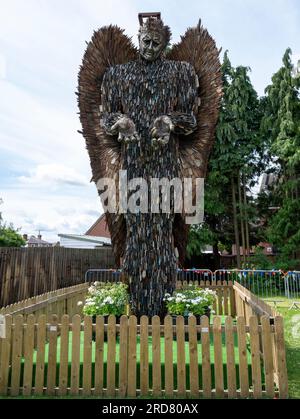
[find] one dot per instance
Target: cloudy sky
(44, 167)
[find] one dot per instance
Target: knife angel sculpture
(149, 113)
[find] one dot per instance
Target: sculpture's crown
(152, 22)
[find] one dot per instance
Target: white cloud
(39, 132)
(53, 174)
(51, 213)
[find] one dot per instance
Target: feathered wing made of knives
(170, 100)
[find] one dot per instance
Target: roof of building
(99, 228)
(86, 238)
(35, 240)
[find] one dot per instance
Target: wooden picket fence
(48, 349)
(248, 304)
(59, 302)
(146, 359)
(64, 301)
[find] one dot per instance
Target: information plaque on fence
(2, 327)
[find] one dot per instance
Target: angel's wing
(198, 48)
(108, 46)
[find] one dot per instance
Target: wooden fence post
(193, 348)
(156, 357)
(17, 344)
(123, 363)
(181, 373)
(40, 357)
(169, 371)
(132, 361)
(144, 357)
(255, 354)
(64, 356)
(268, 356)
(99, 356)
(243, 362)
(5, 356)
(76, 344)
(28, 355)
(231, 371)
(206, 365)
(51, 379)
(281, 358)
(87, 356)
(233, 311)
(219, 375)
(111, 357)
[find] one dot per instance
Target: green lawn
(281, 301)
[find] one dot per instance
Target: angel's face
(151, 45)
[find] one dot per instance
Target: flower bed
(191, 301)
(105, 299)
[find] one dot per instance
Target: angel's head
(154, 37)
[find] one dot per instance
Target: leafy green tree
(9, 237)
(236, 159)
(282, 124)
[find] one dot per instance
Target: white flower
(92, 290)
(108, 300)
(80, 304)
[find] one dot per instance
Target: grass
(292, 341)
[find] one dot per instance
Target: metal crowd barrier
(265, 284)
(292, 285)
(261, 282)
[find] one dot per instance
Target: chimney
(25, 237)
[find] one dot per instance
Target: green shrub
(190, 301)
(106, 299)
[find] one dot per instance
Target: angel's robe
(144, 91)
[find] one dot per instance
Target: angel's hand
(161, 130)
(125, 127)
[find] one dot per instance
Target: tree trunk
(235, 224)
(216, 256)
(246, 218)
(241, 211)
